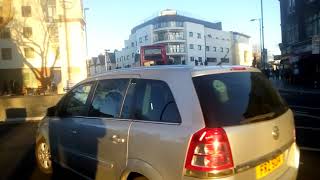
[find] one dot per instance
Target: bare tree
(6, 13)
(41, 44)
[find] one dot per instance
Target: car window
(150, 100)
(237, 98)
(75, 102)
(108, 98)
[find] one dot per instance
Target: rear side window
(237, 98)
(150, 100)
(108, 98)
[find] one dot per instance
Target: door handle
(116, 139)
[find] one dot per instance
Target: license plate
(267, 167)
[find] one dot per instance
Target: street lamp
(85, 28)
(261, 41)
(107, 58)
(262, 33)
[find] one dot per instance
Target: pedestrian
(267, 72)
(277, 73)
(5, 87)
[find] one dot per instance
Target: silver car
(170, 123)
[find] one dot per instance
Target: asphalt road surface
(17, 160)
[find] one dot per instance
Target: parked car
(171, 122)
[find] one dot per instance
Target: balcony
(163, 37)
(175, 51)
(168, 39)
(168, 25)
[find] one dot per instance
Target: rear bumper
(288, 172)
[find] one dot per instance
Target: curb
(20, 120)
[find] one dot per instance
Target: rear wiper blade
(258, 118)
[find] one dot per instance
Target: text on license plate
(267, 167)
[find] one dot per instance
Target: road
(17, 160)
(17, 140)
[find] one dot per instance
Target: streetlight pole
(64, 5)
(107, 59)
(262, 32)
(85, 19)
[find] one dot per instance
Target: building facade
(101, 63)
(42, 46)
(188, 41)
(300, 26)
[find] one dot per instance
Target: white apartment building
(188, 41)
(44, 43)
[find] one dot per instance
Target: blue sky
(109, 22)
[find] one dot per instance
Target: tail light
(209, 151)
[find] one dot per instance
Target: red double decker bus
(153, 55)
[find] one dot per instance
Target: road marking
(304, 107)
(309, 149)
(307, 115)
(308, 128)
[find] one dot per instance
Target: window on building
(291, 6)
(128, 57)
(200, 59)
(214, 49)
(191, 59)
(190, 34)
(108, 98)
(140, 40)
(5, 33)
(207, 48)
(29, 52)
(209, 59)
(146, 37)
(1, 18)
(221, 49)
(26, 11)
(150, 100)
(27, 32)
(225, 60)
(199, 47)
(191, 46)
(198, 35)
(227, 49)
(209, 36)
(132, 44)
(6, 53)
(136, 43)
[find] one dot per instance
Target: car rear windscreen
(237, 98)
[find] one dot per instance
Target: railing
(168, 24)
(175, 50)
(168, 38)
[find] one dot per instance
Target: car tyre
(43, 156)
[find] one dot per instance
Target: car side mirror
(51, 111)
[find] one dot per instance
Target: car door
(63, 129)
(103, 145)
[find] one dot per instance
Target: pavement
(284, 86)
(17, 160)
